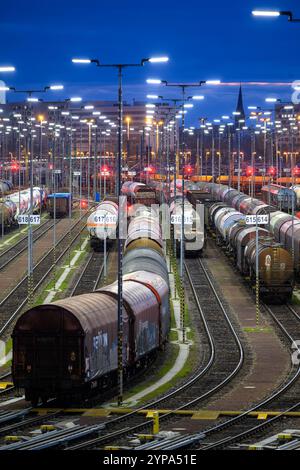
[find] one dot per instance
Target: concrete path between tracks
(270, 360)
(66, 271)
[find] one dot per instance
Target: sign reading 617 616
(24, 219)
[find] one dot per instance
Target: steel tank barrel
(275, 263)
(220, 213)
(225, 222)
(144, 243)
(147, 260)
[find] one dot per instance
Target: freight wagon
(68, 349)
(276, 274)
(60, 203)
(139, 193)
(279, 196)
(102, 224)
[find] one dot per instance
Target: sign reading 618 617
(34, 219)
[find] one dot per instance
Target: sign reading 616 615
(34, 219)
(176, 219)
(262, 219)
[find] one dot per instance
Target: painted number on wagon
(261, 219)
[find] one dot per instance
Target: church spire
(240, 107)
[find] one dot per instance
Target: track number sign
(105, 219)
(261, 219)
(176, 219)
(34, 219)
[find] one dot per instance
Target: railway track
(205, 381)
(90, 275)
(16, 299)
(10, 254)
(284, 399)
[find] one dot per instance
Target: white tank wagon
(102, 224)
(194, 236)
(22, 200)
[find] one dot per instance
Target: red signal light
(14, 167)
(272, 171)
(188, 169)
(105, 170)
(249, 171)
(50, 166)
(83, 204)
(296, 170)
(149, 169)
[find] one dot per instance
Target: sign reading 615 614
(34, 219)
(262, 219)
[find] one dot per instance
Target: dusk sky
(204, 40)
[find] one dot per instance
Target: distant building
(287, 118)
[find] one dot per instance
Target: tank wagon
(19, 203)
(276, 274)
(279, 196)
(22, 200)
(283, 227)
(8, 210)
(194, 235)
(5, 187)
(68, 349)
(102, 224)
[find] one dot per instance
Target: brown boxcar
(68, 345)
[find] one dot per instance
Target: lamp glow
(152, 97)
(75, 99)
(271, 100)
(81, 61)
(198, 97)
(32, 100)
(7, 68)
(155, 60)
(212, 82)
(153, 81)
(266, 13)
(56, 87)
